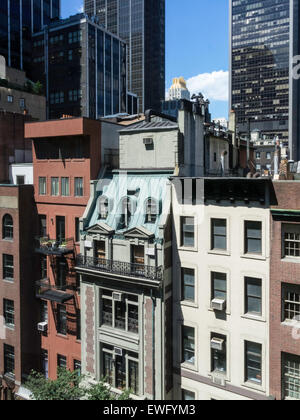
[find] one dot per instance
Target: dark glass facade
(18, 20)
(260, 70)
(92, 62)
(141, 23)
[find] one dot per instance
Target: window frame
(246, 297)
(247, 352)
(8, 227)
(79, 188)
(9, 313)
(214, 235)
(184, 229)
(8, 267)
(247, 238)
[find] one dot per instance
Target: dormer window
(152, 210)
(103, 208)
(126, 212)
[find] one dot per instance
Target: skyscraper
(259, 65)
(141, 23)
(19, 19)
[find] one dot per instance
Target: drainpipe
(153, 344)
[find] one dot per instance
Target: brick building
(285, 292)
(66, 156)
(19, 341)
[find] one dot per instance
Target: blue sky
(196, 46)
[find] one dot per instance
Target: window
(54, 186)
(10, 99)
(100, 250)
(9, 360)
(9, 312)
(42, 185)
(45, 364)
(70, 55)
(78, 325)
(77, 229)
(218, 234)
(44, 267)
(61, 273)
(65, 187)
(253, 288)
(61, 319)
(61, 361)
(78, 187)
(151, 210)
(120, 311)
(60, 228)
(187, 395)
(291, 377)
(20, 179)
(291, 302)
(253, 237)
(77, 366)
(188, 284)
(219, 286)
(8, 267)
(268, 155)
(42, 226)
(138, 255)
(44, 311)
(187, 232)
(257, 155)
(291, 240)
(218, 354)
(188, 345)
(253, 362)
(121, 371)
(22, 103)
(126, 213)
(103, 208)
(8, 227)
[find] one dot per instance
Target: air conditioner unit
(218, 304)
(43, 327)
(148, 141)
(118, 351)
(218, 379)
(117, 297)
(217, 344)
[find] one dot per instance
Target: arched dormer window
(152, 210)
(103, 207)
(8, 227)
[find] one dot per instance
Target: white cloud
(214, 86)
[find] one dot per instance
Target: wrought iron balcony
(47, 246)
(47, 291)
(119, 267)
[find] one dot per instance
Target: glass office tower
(141, 23)
(260, 66)
(19, 19)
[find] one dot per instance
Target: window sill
(188, 304)
(65, 337)
(252, 385)
(10, 281)
(188, 366)
(123, 335)
(254, 257)
(291, 324)
(294, 260)
(187, 249)
(219, 252)
(10, 327)
(254, 318)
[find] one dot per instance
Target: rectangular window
(10, 99)
(291, 302)
(45, 364)
(219, 286)
(43, 226)
(9, 313)
(44, 311)
(291, 239)
(253, 365)
(291, 377)
(77, 229)
(42, 185)
(20, 179)
(218, 234)
(253, 288)
(77, 366)
(120, 311)
(8, 267)
(9, 360)
(22, 103)
(61, 361)
(187, 232)
(61, 319)
(44, 266)
(54, 186)
(78, 187)
(188, 345)
(253, 237)
(218, 354)
(100, 250)
(188, 284)
(65, 187)
(187, 395)
(78, 325)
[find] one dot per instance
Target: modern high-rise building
(141, 23)
(260, 66)
(19, 19)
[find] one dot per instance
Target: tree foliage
(69, 386)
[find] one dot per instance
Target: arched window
(126, 212)
(152, 210)
(103, 206)
(8, 227)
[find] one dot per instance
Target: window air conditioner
(217, 344)
(43, 327)
(218, 379)
(117, 297)
(118, 351)
(218, 304)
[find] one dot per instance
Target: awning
(55, 296)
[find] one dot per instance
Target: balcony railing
(120, 268)
(55, 293)
(47, 246)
